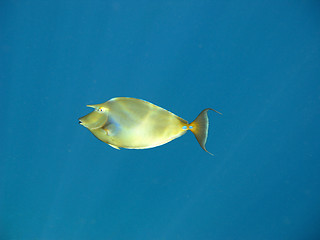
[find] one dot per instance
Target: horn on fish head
(95, 119)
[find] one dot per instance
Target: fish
(131, 123)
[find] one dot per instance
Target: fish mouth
(81, 123)
(93, 120)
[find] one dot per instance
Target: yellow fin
(200, 126)
(114, 146)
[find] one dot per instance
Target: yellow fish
(132, 123)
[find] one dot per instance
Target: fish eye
(100, 109)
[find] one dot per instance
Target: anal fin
(114, 146)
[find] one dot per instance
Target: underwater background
(257, 62)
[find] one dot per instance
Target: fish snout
(81, 122)
(93, 120)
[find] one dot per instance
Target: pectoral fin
(101, 131)
(111, 129)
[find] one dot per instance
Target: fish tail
(200, 126)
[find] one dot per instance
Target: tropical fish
(132, 123)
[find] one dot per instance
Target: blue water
(257, 62)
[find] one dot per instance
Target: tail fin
(200, 126)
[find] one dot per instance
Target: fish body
(137, 124)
